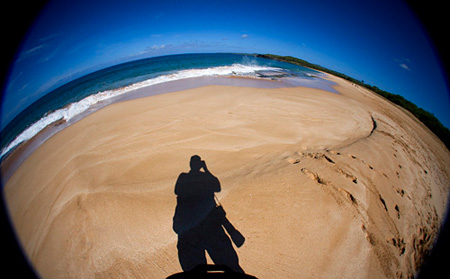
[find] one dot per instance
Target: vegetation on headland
(424, 116)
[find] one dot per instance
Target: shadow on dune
(201, 223)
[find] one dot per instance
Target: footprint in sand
(383, 202)
(314, 176)
(328, 159)
(349, 196)
(335, 152)
(294, 161)
(369, 236)
(400, 244)
(319, 155)
(348, 175)
(309, 173)
(398, 211)
(400, 191)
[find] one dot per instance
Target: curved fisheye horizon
(314, 116)
(381, 44)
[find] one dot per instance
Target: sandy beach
(321, 185)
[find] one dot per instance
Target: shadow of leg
(190, 251)
(221, 250)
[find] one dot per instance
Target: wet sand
(320, 184)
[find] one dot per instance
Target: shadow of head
(196, 163)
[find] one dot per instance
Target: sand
(322, 185)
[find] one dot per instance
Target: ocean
(102, 87)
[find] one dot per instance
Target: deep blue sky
(380, 42)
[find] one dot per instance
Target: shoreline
(12, 161)
(20, 153)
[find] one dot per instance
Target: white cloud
(244, 36)
(404, 63)
(30, 52)
(154, 49)
(43, 46)
(157, 47)
(404, 66)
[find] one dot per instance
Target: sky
(380, 42)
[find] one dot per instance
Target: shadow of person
(199, 221)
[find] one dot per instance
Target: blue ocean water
(77, 96)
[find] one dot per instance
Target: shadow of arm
(179, 185)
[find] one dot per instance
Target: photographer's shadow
(200, 222)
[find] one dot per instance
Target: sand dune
(322, 185)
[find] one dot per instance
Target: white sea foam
(69, 112)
